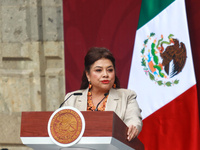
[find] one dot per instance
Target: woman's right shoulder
(77, 91)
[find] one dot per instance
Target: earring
(114, 85)
(90, 85)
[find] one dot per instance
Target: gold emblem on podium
(66, 126)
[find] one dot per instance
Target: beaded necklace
(90, 105)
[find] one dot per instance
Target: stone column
(31, 63)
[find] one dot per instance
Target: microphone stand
(69, 97)
(100, 102)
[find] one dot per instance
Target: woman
(101, 91)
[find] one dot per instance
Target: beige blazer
(121, 101)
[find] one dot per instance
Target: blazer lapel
(81, 101)
(112, 100)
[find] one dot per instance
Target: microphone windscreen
(77, 93)
(106, 94)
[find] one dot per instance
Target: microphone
(100, 102)
(75, 94)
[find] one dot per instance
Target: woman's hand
(132, 132)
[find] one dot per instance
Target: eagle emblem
(163, 58)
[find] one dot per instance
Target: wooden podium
(103, 131)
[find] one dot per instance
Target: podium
(103, 131)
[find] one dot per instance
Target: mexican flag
(162, 74)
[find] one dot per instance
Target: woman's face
(101, 75)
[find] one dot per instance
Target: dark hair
(94, 54)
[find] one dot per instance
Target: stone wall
(31, 63)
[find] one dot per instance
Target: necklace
(90, 105)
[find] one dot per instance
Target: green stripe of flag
(150, 8)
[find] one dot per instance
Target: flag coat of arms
(162, 74)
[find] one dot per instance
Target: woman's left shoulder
(126, 91)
